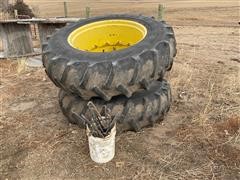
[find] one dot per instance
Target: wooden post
(16, 13)
(160, 12)
(17, 39)
(35, 31)
(87, 12)
(65, 9)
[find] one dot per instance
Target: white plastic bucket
(102, 150)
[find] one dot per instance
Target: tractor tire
(107, 74)
(143, 109)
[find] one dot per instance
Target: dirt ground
(199, 139)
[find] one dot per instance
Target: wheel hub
(107, 35)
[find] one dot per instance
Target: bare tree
(22, 8)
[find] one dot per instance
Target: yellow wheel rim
(107, 35)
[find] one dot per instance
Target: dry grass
(21, 67)
(209, 99)
(211, 148)
(230, 126)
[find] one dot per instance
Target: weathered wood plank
(40, 20)
(17, 39)
(47, 29)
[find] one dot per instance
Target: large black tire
(109, 74)
(143, 109)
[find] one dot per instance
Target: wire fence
(85, 8)
(54, 8)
